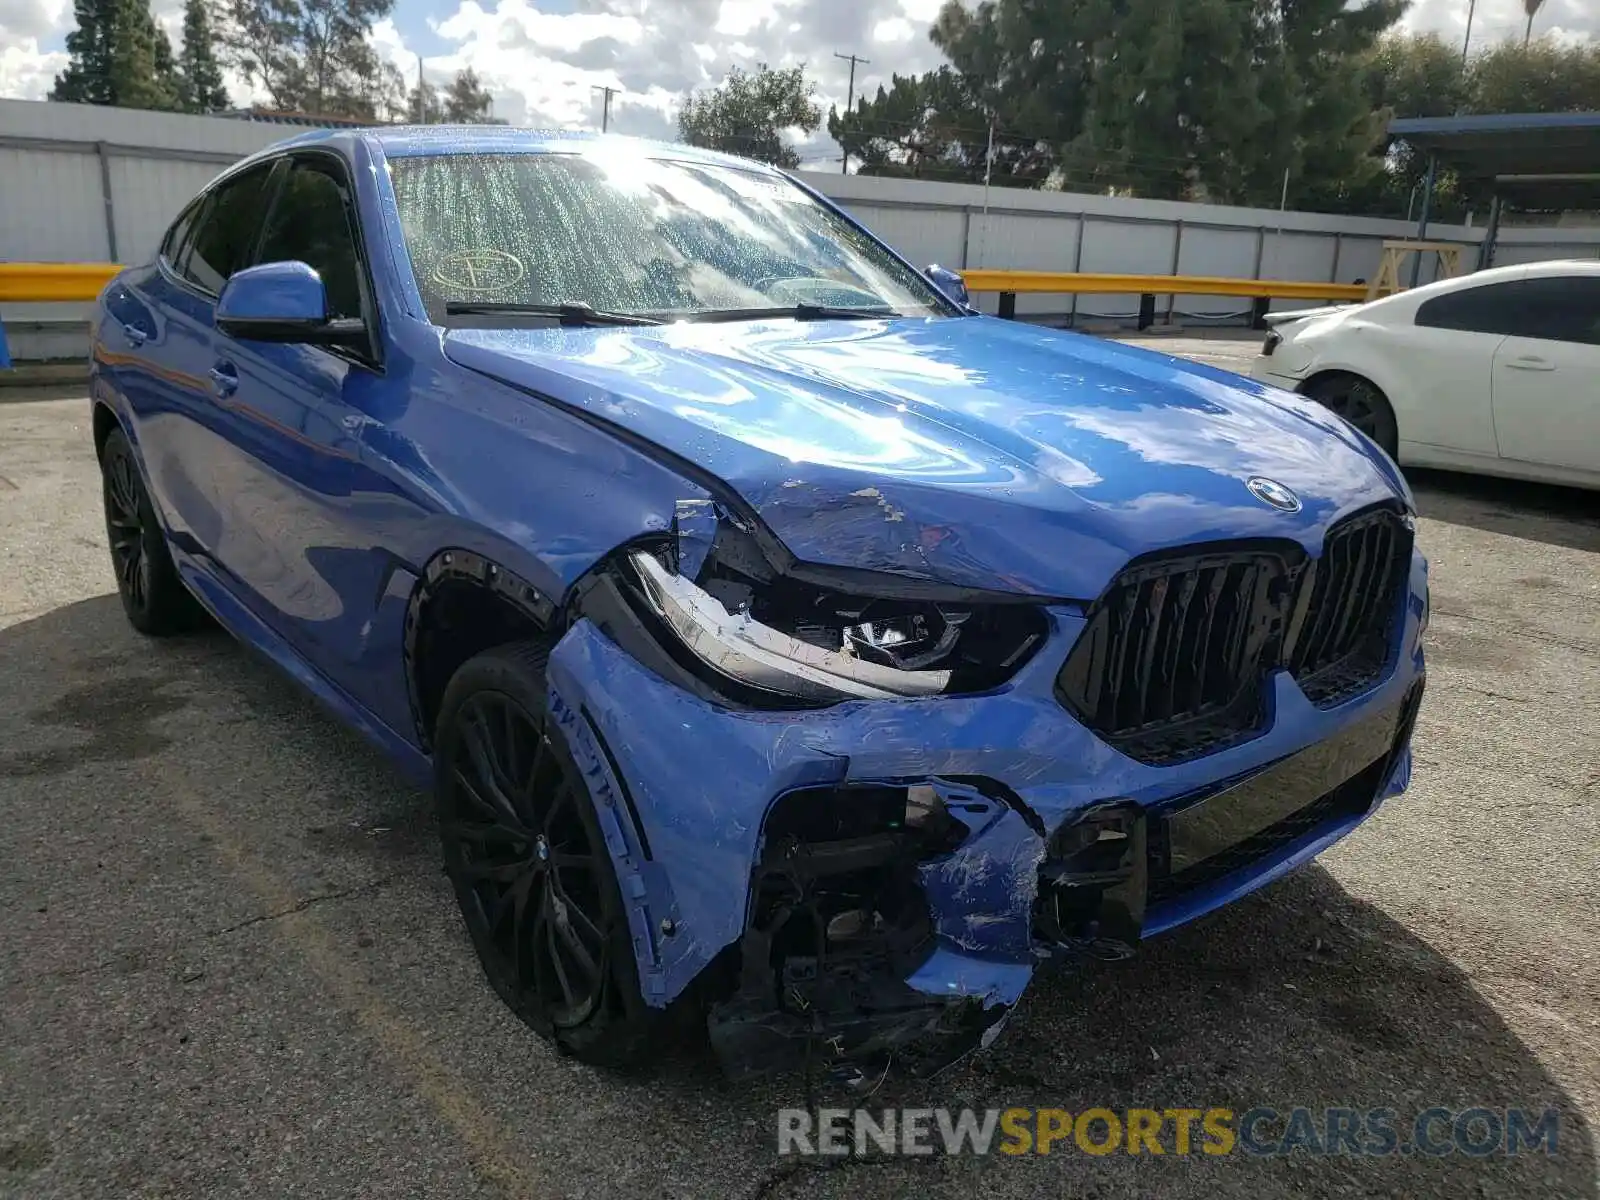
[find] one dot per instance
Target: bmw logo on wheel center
(1270, 491)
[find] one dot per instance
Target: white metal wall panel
(1230, 253)
(1124, 248)
(51, 207)
(923, 235)
(1358, 258)
(1302, 256)
(148, 193)
(1509, 254)
(1297, 256)
(1024, 242)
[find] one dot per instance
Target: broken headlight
(769, 639)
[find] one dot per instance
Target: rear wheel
(1360, 402)
(530, 868)
(152, 595)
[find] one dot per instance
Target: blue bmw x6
(783, 641)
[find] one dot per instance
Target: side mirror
(951, 284)
(282, 302)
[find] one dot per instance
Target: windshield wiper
(566, 314)
(797, 312)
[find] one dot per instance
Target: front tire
(1363, 404)
(153, 597)
(531, 872)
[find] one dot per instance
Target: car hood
(969, 451)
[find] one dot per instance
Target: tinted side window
(172, 244)
(223, 243)
(1560, 308)
(1488, 309)
(311, 223)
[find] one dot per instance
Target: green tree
(748, 113)
(1543, 76)
(199, 76)
(1210, 98)
(467, 101)
(1416, 76)
(311, 56)
(87, 78)
(117, 56)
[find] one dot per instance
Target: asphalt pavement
(230, 964)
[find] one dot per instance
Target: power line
(850, 97)
(605, 111)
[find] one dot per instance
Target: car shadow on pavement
(1301, 995)
(1541, 512)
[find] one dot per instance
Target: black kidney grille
(1172, 661)
(1341, 642)
(1172, 652)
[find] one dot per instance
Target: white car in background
(1496, 373)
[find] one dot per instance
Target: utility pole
(849, 99)
(605, 111)
(422, 95)
(1472, 7)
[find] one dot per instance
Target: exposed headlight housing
(742, 648)
(757, 638)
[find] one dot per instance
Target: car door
(1547, 374)
(299, 538)
(1447, 362)
(157, 336)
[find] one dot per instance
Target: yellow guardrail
(47, 282)
(83, 281)
(1085, 283)
(1261, 292)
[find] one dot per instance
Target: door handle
(134, 334)
(226, 380)
(1531, 364)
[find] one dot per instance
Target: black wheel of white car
(531, 871)
(152, 595)
(1360, 402)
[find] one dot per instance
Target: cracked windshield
(652, 237)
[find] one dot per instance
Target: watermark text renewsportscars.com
(1362, 1132)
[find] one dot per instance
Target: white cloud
(894, 29)
(27, 73)
(1503, 20)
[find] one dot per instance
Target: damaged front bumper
(884, 876)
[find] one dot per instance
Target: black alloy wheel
(530, 868)
(1359, 402)
(153, 597)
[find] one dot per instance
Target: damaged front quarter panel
(826, 919)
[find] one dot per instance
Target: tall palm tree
(1531, 7)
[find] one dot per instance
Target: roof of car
(1554, 266)
(412, 141)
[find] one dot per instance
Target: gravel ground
(230, 965)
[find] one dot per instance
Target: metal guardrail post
(1008, 305)
(1147, 310)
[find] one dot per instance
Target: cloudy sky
(543, 58)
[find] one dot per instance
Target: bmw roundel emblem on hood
(1270, 491)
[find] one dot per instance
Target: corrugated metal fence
(87, 184)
